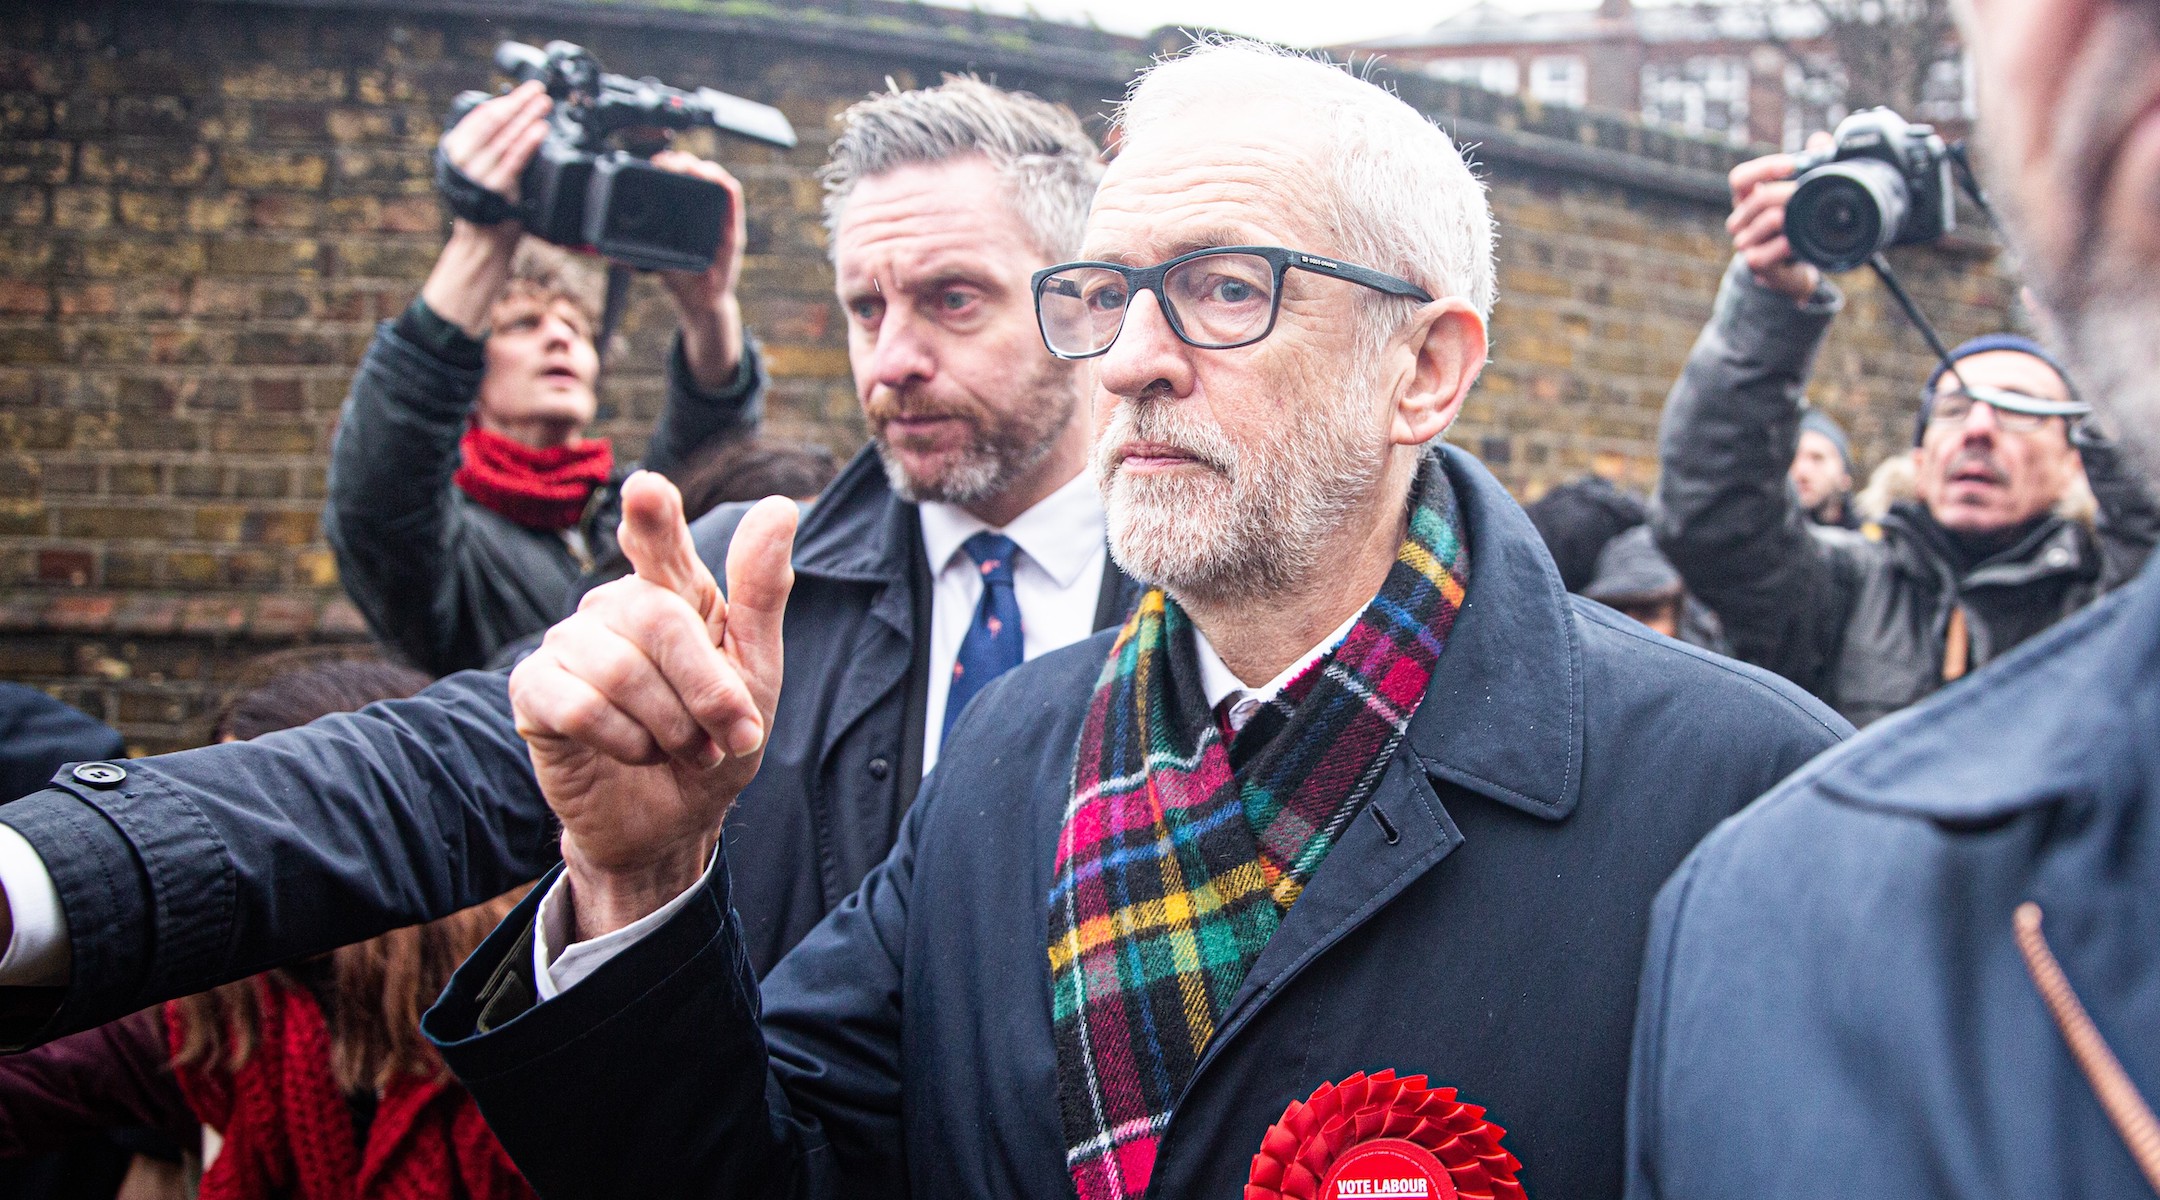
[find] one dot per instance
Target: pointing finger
(656, 539)
(760, 576)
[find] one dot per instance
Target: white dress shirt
(1057, 579)
(37, 955)
(1218, 683)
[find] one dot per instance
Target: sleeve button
(99, 774)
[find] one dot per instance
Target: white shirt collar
(1062, 533)
(1219, 683)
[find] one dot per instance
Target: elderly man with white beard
(1330, 870)
(1930, 966)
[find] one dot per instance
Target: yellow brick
(796, 361)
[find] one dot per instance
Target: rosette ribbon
(1377, 1135)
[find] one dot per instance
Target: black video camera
(1885, 183)
(576, 192)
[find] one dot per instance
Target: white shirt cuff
(552, 975)
(37, 955)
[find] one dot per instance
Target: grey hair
(1395, 191)
(1049, 164)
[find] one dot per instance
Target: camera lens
(1844, 213)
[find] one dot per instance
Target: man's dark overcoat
(1482, 923)
(192, 869)
(1835, 1002)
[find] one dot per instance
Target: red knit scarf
(289, 1134)
(539, 489)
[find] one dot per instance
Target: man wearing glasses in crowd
(1875, 619)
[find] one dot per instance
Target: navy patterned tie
(992, 645)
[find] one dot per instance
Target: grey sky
(1294, 22)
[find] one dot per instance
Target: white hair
(1393, 189)
(1047, 161)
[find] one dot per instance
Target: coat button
(100, 774)
(880, 768)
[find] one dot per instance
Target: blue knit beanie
(1982, 345)
(1817, 421)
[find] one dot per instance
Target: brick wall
(204, 207)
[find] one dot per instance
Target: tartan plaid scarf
(1173, 870)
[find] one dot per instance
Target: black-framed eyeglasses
(1216, 299)
(2017, 412)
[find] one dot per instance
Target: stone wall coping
(1507, 130)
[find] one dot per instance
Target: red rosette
(1315, 1135)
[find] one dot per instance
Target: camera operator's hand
(491, 146)
(1760, 189)
(705, 300)
(647, 711)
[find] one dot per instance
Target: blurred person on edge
(464, 497)
(1876, 618)
(1929, 967)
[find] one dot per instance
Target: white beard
(1260, 519)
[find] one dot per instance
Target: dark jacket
(117, 1076)
(38, 734)
(1834, 1003)
(1483, 923)
(444, 582)
(196, 868)
(1857, 617)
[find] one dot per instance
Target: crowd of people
(1158, 763)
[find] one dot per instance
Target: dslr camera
(579, 191)
(1885, 183)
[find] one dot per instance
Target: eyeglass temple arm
(1376, 280)
(1919, 319)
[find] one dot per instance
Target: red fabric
(539, 489)
(288, 1132)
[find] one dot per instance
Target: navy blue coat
(1834, 1002)
(1483, 923)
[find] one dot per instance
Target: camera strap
(467, 199)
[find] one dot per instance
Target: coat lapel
(861, 533)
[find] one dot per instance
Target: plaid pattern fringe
(1173, 872)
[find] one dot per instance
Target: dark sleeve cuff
(421, 326)
(682, 384)
(106, 899)
(1769, 328)
(488, 1022)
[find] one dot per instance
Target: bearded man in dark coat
(1335, 858)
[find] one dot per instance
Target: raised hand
(647, 711)
(1760, 189)
(705, 300)
(491, 145)
(494, 141)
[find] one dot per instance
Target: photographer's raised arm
(1725, 513)
(389, 510)
(715, 378)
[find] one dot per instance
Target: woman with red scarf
(464, 497)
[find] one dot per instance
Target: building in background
(1744, 72)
